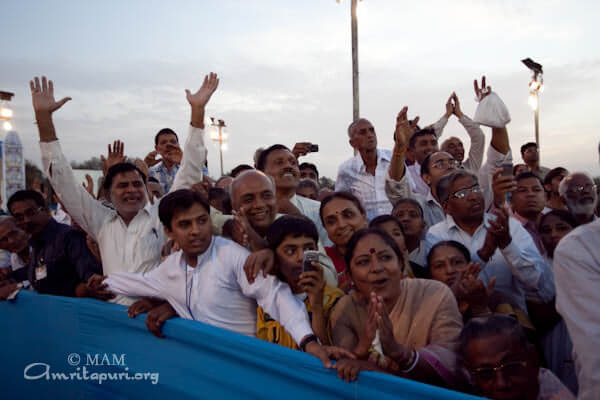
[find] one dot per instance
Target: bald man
(578, 192)
(253, 199)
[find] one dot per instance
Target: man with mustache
(497, 241)
(60, 263)
(280, 163)
(578, 192)
(130, 237)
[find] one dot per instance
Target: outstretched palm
(42, 96)
(202, 96)
(403, 130)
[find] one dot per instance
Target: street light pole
(536, 86)
(220, 137)
(355, 93)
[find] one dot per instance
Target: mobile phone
(309, 257)
(507, 169)
(314, 148)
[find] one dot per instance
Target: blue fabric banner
(57, 347)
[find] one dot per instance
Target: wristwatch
(307, 340)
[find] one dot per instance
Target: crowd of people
(476, 276)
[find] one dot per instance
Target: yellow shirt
(270, 330)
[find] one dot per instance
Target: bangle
(307, 340)
(412, 362)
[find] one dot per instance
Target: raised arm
(194, 151)
(474, 131)
(84, 209)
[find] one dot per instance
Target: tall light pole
(536, 86)
(6, 112)
(219, 135)
(354, 31)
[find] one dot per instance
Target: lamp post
(219, 135)
(354, 32)
(536, 86)
(6, 112)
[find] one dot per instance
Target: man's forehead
(251, 182)
(363, 123)
(23, 204)
(279, 153)
(577, 179)
(127, 176)
(195, 211)
(167, 137)
(531, 181)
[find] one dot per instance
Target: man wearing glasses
(60, 262)
(497, 241)
(503, 365)
(578, 192)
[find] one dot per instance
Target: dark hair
(308, 183)
(239, 169)
(517, 166)
(478, 328)
(179, 200)
(152, 179)
(413, 202)
(165, 131)
(294, 225)
(528, 175)
(340, 195)
(22, 195)
(449, 243)
(308, 165)
(120, 168)
(444, 184)
(217, 194)
(418, 134)
(553, 173)
(561, 214)
(262, 159)
(358, 235)
(526, 146)
(382, 219)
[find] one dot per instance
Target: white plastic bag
(492, 112)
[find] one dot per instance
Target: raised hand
(90, 185)
(457, 110)
(150, 158)
(313, 284)
(301, 149)
(484, 91)
(174, 154)
(262, 260)
(403, 130)
(449, 107)
(202, 96)
(501, 186)
(115, 156)
(42, 96)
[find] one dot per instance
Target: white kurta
(216, 291)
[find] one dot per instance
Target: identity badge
(41, 272)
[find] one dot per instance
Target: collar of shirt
(381, 156)
(430, 199)
(452, 225)
(163, 168)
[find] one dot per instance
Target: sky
(285, 69)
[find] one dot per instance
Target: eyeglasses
(461, 194)
(580, 189)
(449, 162)
(31, 212)
(509, 369)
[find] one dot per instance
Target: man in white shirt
(505, 248)
(254, 202)
(577, 278)
(281, 164)
(130, 238)
(364, 174)
(205, 280)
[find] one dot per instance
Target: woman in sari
(407, 327)
(342, 214)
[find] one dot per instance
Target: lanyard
(188, 293)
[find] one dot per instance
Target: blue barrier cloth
(59, 347)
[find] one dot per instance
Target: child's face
(191, 229)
